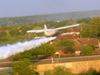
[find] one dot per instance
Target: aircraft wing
(35, 31)
(67, 27)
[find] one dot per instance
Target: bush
(23, 67)
(90, 72)
(87, 50)
(69, 50)
(66, 43)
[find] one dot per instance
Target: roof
(88, 41)
(77, 29)
(60, 52)
(72, 36)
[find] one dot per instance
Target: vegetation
(68, 44)
(87, 50)
(14, 33)
(49, 17)
(69, 50)
(91, 29)
(24, 67)
(17, 33)
(59, 70)
(10, 34)
(90, 72)
(44, 49)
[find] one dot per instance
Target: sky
(14, 8)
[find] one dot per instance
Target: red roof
(73, 36)
(60, 52)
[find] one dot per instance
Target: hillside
(48, 17)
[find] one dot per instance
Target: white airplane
(51, 32)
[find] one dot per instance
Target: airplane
(51, 32)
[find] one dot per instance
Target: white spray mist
(8, 50)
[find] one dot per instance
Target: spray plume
(8, 50)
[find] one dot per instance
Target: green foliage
(26, 55)
(95, 27)
(44, 49)
(69, 49)
(23, 67)
(87, 50)
(15, 33)
(59, 70)
(90, 72)
(93, 46)
(84, 20)
(5, 74)
(66, 43)
(3, 34)
(85, 32)
(91, 29)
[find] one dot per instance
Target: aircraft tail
(45, 27)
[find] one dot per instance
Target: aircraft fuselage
(50, 32)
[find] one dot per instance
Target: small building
(77, 52)
(58, 54)
(78, 49)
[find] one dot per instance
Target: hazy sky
(11, 8)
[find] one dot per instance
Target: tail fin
(45, 27)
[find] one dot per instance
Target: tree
(85, 32)
(95, 27)
(90, 72)
(87, 50)
(66, 43)
(84, 20)
(91, 29)
(24, 67)
(69, 49)
(45, 49)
